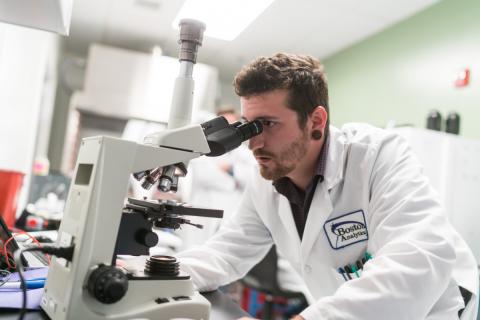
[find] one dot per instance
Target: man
(349, 208)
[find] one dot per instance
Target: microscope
(101, 225)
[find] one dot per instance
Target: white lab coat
(372, 179)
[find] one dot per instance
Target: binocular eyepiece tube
(223, 137)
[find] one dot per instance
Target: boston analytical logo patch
(346, 229)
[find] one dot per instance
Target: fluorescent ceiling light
(225, 19)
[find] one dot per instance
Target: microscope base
(145, 299)
(196, 307)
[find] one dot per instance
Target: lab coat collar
(335, 165)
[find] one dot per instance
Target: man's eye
(268, 123)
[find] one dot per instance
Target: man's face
(282, 145)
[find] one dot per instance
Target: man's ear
(319, 118)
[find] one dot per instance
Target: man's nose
(256, 142)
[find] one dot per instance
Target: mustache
(263, 153)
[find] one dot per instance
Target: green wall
(408, 69)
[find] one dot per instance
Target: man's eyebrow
(261, 118)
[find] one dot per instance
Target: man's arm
(412, 245)
(241, 242)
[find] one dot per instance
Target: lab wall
(409, 69)
(132, 84)
(228, 96)
(27, 89)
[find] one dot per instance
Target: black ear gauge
(316, 134)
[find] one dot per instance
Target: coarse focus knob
(146, 237)
(107, 284)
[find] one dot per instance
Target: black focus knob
(146, 237)
(107, 284)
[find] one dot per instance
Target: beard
(286, 160)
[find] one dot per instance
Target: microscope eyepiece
(215, 125)
(250, 129)
(223, 137)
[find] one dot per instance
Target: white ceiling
(316, 27)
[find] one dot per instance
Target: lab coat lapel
(285, 213)
(320, 210)
(321, 207)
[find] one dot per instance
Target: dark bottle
(452, 123)
(434, 120)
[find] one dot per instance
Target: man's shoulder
(363, 134)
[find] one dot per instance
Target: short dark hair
(301, 75)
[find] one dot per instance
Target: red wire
(5, 252)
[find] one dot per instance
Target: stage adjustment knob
(107, 284)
